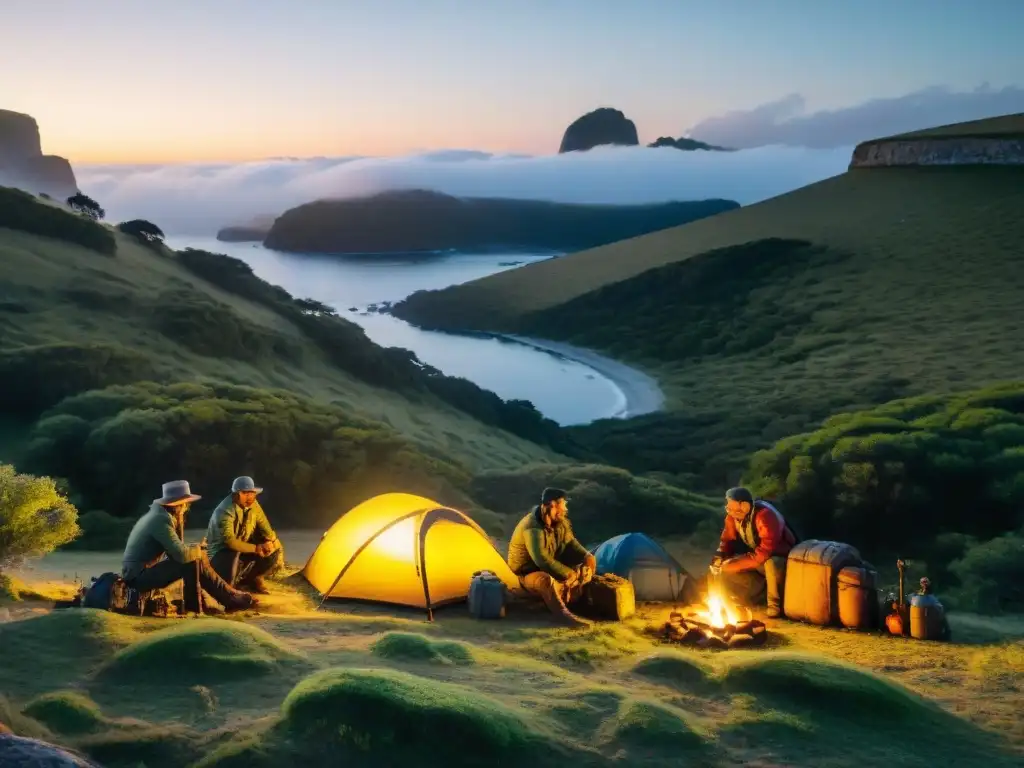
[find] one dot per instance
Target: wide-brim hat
(244, 484)
(176, 492)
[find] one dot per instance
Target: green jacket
(154, 534)
(232, 527)
(535, 547)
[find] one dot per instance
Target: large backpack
(108, 592)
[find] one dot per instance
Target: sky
(123, 81)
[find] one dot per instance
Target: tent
(656, 575)
(403, 549)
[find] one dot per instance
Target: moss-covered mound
(411, 647)
(390, 716)
(201, 652)
(66, 712)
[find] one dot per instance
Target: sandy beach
(640, 392)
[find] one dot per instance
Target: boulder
(20, 752)
(594, 129)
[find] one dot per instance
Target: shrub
(86, 206)
(34, 517)
(20, 210)
(900, 474)
(117, 445)
(991, 575)
(604, 501)
(35, 378)
(144, 231)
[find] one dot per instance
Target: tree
(314, 306)
(86, 206)
(145, 231)
(35, 518)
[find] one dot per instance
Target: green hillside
(869, 286)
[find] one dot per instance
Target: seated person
(752, 554)
(156, 555)
(240, 540)
(547, 558)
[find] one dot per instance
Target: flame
(717, 610)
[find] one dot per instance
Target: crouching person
(754, 547)
(548, 559)
(156, 555)
(243, 547)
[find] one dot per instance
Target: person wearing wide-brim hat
(156, 555)
(242, 544)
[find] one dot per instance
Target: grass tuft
(408, 646)
(649, 725)
(672, 668)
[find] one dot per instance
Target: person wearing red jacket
(751, 556)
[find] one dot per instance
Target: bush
(146, 232)
(991, 576)
(117, 445)
(20, 210)
(86, 206)
(33, 379)
(34, 517)
(604, 501)
(897, 476)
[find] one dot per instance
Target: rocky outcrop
(23, 164)
(423, 221)
(938, 150)
(597, 128)
(684, 144)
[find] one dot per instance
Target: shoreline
(641, 393)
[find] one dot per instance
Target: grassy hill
(869, 286)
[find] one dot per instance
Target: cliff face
(23, 164)
(939, 151)
(594, 129)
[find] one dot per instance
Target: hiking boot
(245, 602)
(569, 619)
(773, 612)
(257, 586)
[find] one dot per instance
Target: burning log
(717, 623)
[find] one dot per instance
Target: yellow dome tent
(403, 549)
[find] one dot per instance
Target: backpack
(108, 592)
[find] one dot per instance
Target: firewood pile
(694, 630)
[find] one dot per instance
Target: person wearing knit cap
(548, 558)
(753, 549)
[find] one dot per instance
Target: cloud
(784, 122)
(198, 199)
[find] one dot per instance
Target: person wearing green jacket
(241, 542)
(548, 559)
(156, 555)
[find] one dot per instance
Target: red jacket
(764, 532)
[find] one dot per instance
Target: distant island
(414, 221)
(610, 127)
(253, 230)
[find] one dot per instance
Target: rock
(955, 150)
(23, 164)
(20, 752)
(597, 128)
(684, 144)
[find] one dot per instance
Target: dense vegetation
(21, 211)
(146, 232)
(928, 477)
(347, 346)
(419, 220)
(115, 446)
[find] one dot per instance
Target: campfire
(718, 622)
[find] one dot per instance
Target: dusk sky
(203, 80)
